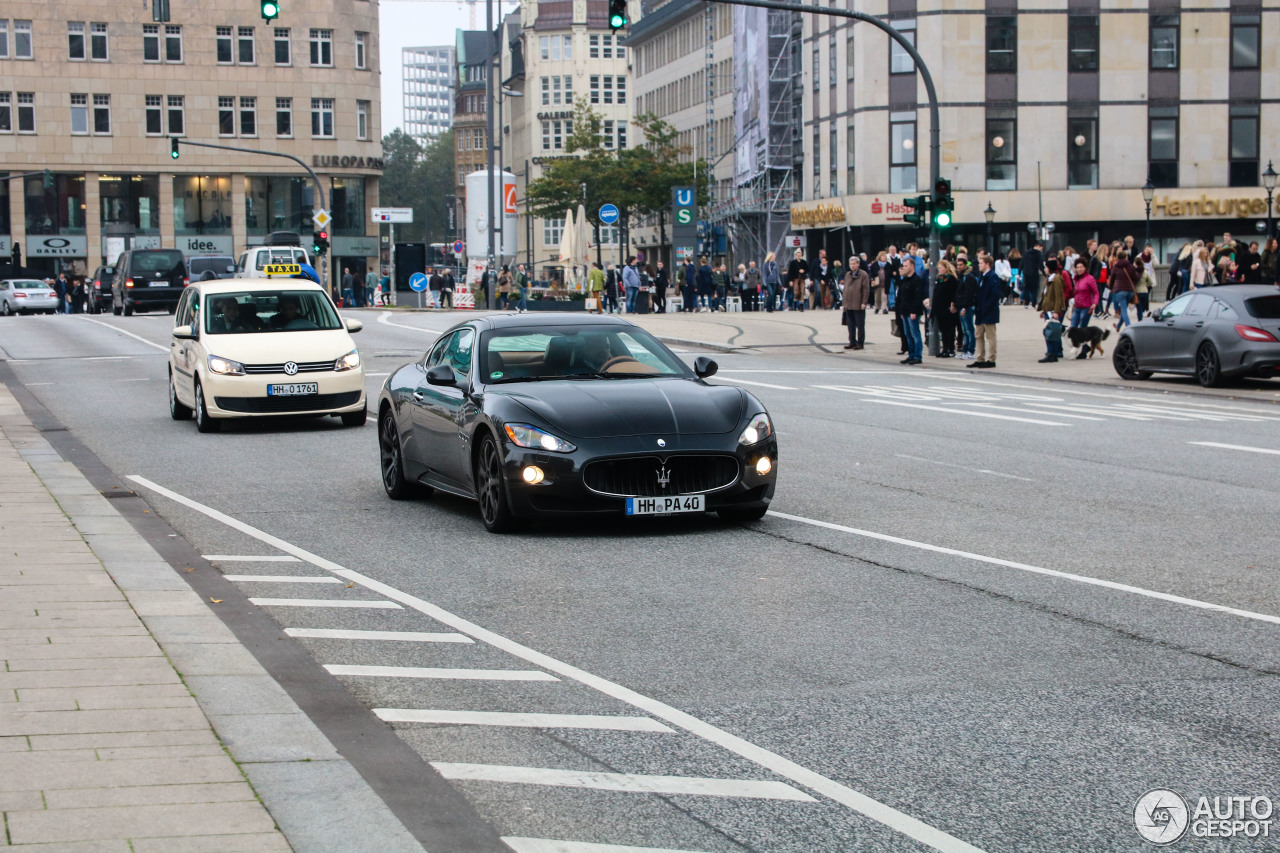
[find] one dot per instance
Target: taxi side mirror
(184, 333)
(353, 326)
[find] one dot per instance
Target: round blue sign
(418, 282)
(457, 248)
(608, 213)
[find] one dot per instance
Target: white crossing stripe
(406, 636)
(439, 672)
(324, 602)
(546, 845)
(873, 399)
(527, 721)
(753, 382)
(280, 579)
(631, 782)
(1243, 447)
(229, 558)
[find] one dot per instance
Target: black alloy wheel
(177, 411)
(204, 423)
(491, 488)
(393, 479)
(1124, 358)
(1208, 366)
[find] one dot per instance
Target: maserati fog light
(532, 475)
(763, 465)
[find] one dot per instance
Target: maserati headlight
(225, 366)
(757, 431)
(350, 361)
(533, 438)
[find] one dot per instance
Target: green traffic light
(270, 10)
(173, 148)
(617, 22)
(943, 219)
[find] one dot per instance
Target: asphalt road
(986, 613)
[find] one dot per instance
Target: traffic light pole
(176, 141)
(935, 145)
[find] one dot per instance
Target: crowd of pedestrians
(72, 293)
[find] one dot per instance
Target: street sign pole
(391, 254)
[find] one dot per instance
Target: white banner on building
(70, 246)
(751, 93)
(205, 244)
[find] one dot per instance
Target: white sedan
(26, 296)
(262, 347)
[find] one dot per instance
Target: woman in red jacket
(1084, 297)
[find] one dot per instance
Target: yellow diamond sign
(322, 218)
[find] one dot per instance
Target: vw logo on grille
(290, 368)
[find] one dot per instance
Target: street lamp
(1269, 181)
(1148, 195)
(990, 214)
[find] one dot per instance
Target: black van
(148, 279)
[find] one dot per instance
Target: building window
(620, 84)
(75, 40)
(362, 119)
(1082, 42)
(902, 152)
(1244, 146)
(832, 147)
(246, 45)
(848, 57)
(248, 116)
(226, 115)
(98, 42)
(22, 46)
(595, 88)
(223, 49)
(1165, 35)
(610, 235)
(172, 43)
(817, 154)
(1002, 44)
(1002, 150)
(477, 139)
(322, 48)
(282, 46)
(6, 119)
(817, 68)
(552, 229)
(1244, 41)
(79, 114)
(26, 112)
(1162, 146)
(362, 61)
(1082, 149)
(284, 116)
(831, 60)
(622, 135)
(322, 118)
(177, 116)
(850, 169)
(201, 204)
(900, 61)
(556, 47)
(150, 43)
(102, 115)
(4, 44)
(593, 47)
(154, 115)
(554, 133)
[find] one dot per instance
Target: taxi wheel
(393, 480)
(355, 419)
(204, 423)
(491, 488)
(177, 411)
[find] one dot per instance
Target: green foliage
(420, 178)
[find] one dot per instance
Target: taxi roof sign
(282, 269)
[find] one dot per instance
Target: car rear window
(221, 266)
(30, 285)
(157, 262)
(1264, 307)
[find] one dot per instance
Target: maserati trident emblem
(662, 442)
(664, 477)
(290, 368)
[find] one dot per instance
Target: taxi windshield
(269, 311)
(575, 352)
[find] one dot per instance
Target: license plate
(665, 505)
(157, 284)
(297, 389)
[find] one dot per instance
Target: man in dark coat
(945, 313)
(1032, 264)
(857, 298)
(987, 312)
(706, 287)
(966, 301)
(660, 282)
(435, 283)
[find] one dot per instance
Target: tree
(651, 170)
(419, 178)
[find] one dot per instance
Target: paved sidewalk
(104, 746)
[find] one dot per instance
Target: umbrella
(566, 251)
(582, 241)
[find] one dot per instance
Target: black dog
(1087, 341)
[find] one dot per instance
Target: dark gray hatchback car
(1215, 334)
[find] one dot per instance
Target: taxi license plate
(666, 505)
(297, 389)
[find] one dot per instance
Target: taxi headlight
(757, 431)
(523, 435)
(350, 361)
(225, 366)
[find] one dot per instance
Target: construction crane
(471, 5)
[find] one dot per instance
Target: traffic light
(943, 203)
(173, 147)
(320, 242)
(270, 10)
(617, 14)
(48, 179)
(918, 206)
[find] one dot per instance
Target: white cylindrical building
(504, 207)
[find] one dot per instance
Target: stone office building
(91, 92)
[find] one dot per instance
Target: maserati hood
(604, 408)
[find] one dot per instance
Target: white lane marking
(632, 782)
(1119, 395)
(109, 357)
(248, 558)
(521, 720)
(441, 672)
(324, 602)
(848, 797)
(144, 379)
(963, 467)
(279, 579)
(130, 334)
(761, 384)
(377, 374)
(33, 384)
(403, 636)
(1038, 570)
(382, 318)
(1243, 447)
(1030, 410)
(547, 845)
(959, 411)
